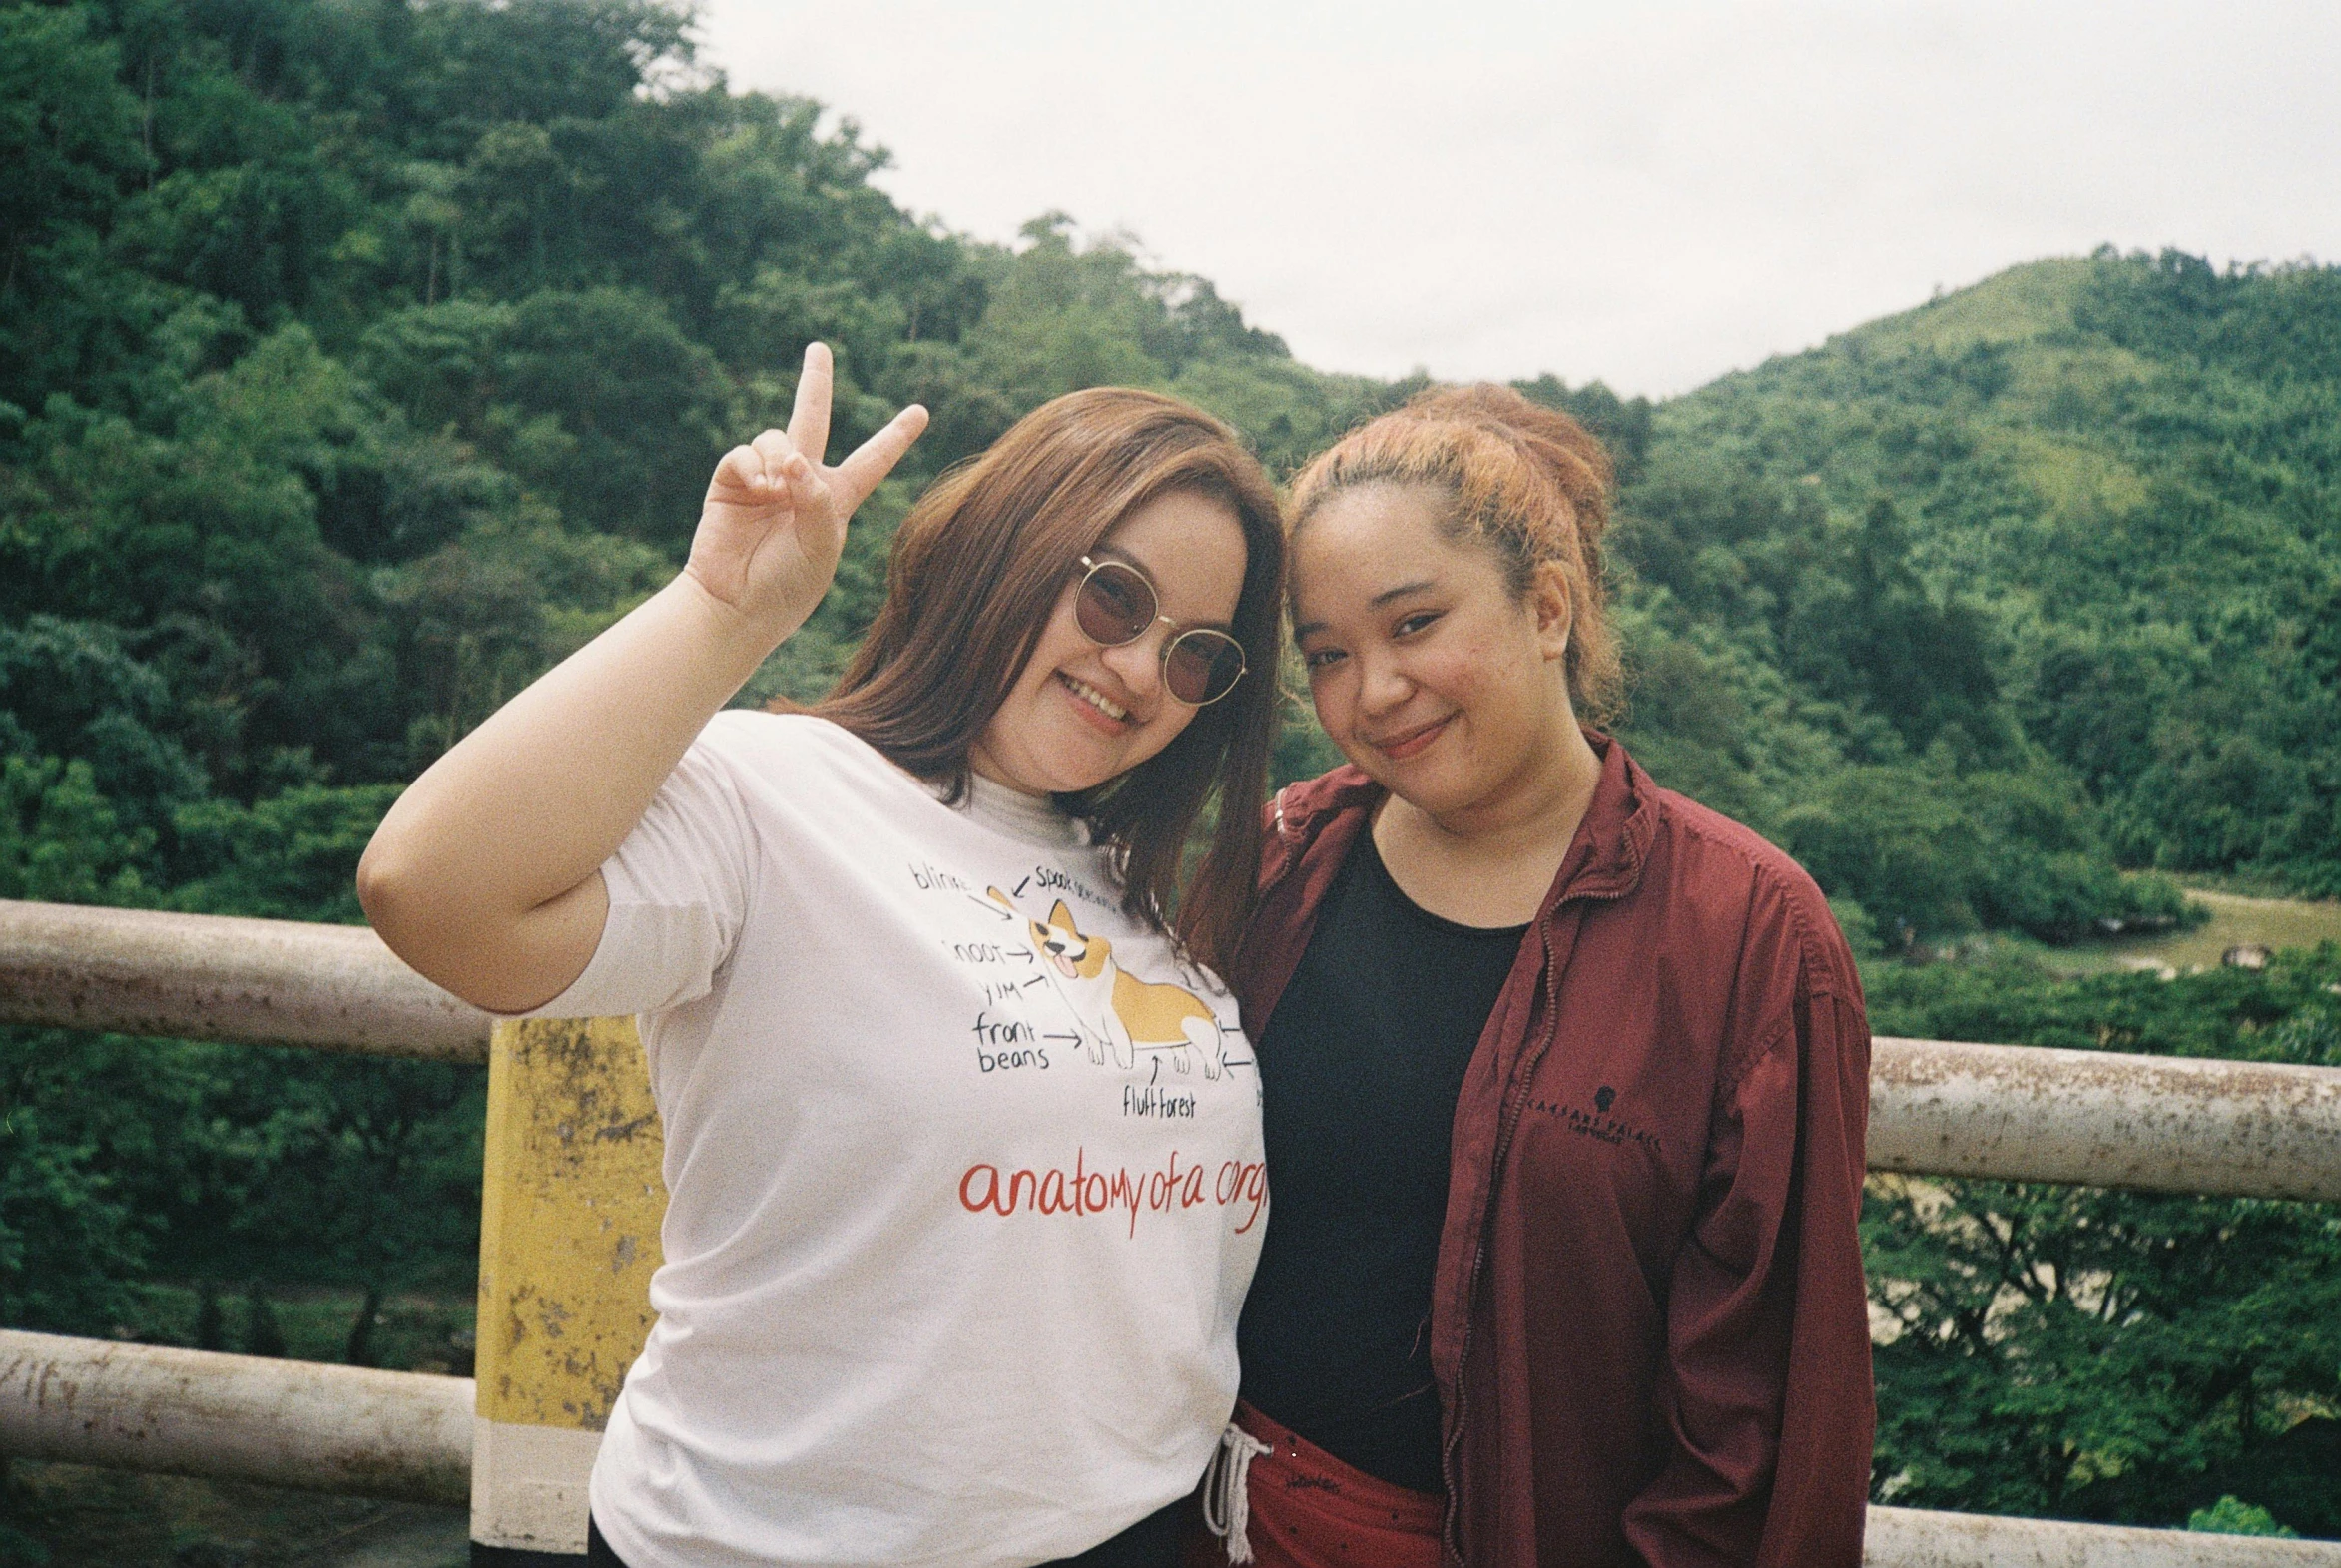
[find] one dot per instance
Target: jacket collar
(1613, 842)
(1605, 861)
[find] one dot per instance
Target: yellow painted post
(571, 1200)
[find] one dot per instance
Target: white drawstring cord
(1227, 1494)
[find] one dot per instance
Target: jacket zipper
(1507, 1119)
(1291, 844)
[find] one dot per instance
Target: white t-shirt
(964, 1172)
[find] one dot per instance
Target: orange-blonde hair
(1525, 482)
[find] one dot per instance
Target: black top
(1361, 1066)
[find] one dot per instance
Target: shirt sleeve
(1767, 1393)
(678, 889)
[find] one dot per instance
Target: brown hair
(977, 570)
(1526, 483)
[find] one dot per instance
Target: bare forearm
(484, 874)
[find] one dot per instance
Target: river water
(2235, 922)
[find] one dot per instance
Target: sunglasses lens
(1202, 666)
(1116, 605)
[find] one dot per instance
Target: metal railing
(1937, 1107)
(305, 1425)
(212, 977)
(2145, 1123)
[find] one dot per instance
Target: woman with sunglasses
(1566, 1075)
(961, 1134)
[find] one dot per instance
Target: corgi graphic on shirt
(1112, 1007)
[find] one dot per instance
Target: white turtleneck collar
(1036, 820)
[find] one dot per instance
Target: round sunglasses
(1117, 604)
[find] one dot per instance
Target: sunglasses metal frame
(1089, 570)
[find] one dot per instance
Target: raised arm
(485, 875)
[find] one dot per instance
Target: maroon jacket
(1649, 1328)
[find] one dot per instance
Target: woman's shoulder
(789, 741)
(1745, 879)
(1300, 808)
(1739, 855)
(1747, 906)
(791, 769)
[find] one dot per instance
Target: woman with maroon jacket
(1566, 1075)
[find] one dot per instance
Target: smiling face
(1426, 670)
(1078, 714)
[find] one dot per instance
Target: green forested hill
(358, 360)
(361, 357)
(2058, 556)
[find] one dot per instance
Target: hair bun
(1571, 455)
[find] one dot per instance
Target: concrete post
(570, 1205)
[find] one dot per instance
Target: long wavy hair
(978, 567)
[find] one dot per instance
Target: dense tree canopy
(2080, 1353)
(359, 359)
(2079, 526)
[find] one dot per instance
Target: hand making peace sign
(773, 522)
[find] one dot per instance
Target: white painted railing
(2162, 1124)
(408, 1436)
(243, 1417)
(1937, 1107)
(211, 977)
(2148, 1122)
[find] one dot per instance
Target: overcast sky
(1649, 194)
